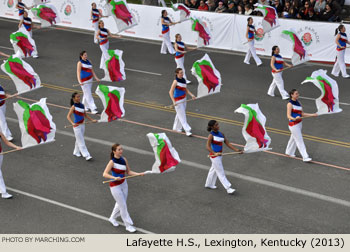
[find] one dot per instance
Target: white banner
(228, 30)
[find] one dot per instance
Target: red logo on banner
(10, 3)
(68, 10)
(307, 38)
(259, 35)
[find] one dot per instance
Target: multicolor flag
(185, 12)
(22, 74)
(204, 37)
(114, 66)
(270, 20)
(209, 78)
(299, 52)
(35, 122)
(166, 156)
(23, 43)
(328, 102)
(122, 15)
(253, 130)
(113, 102)
(47, 14)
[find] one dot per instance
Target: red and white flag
(270, 20)
(299, 50)
(114, 66)
(123, 16)
(23, 44)
(204, 36)
(185, 12)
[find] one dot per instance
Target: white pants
(180, 118)
(105, 56)
(217, 170)
(2, 182)
(88, 100)
(279, 83)
(80, 147)
(96, 29)
(339, 65)
(166, 44)
(120, 194)
(251, 52)
(296, 140)
(3, 124)
(180, 63)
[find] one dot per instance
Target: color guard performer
(250, 35)
(180, 50)
(119, 167)
(3, 124)
(96, 14)
(21, 8)
(166, 44)
(341, 40)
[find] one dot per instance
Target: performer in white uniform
(166, 44)
(21, 8)
(3, 191)
(294, 114)
(341, 40)
(250, 35)
(178, 93)
(214, 146)
(95, 15)
(3, 124)
(119, 167)
(180, 50)
(277, 64)
(79, 113)
(85, 74)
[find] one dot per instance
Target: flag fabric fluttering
(185, 12)
(204, 37)
(253, 130)
(47, 14)
(328, 102)
(22, 74)
(23, 43)
(113, 102)
(114, 66)
(270, 20)
(299, 53)
(209, 78)
(35, 122)
(165, 154)
(122, 14)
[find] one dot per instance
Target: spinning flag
(328, 102)
(113, 102)
(270, 20)
(35, 122)
(253, 130)
(22, 74)
(23, 43)
(185, 12)
(203, 32)
(121, 13)
(299, 52)
(47, 14)
(166, 156)
(208, 77)
(114, 66)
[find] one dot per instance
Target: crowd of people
(314, 10)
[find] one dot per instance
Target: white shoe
(180, 131)
(259, 64)
(210, 187)
(36, 56)
(114, 222)
(230, 190)
(10, 138)
(336, 75)
(285, 98)
(246, 63)
(88, 158)
(188, 133)
(6, 196)
(346, 76)
(94, 112)
(290, 155)
(272, 95)
(306, 160)
(131, 229)
(162, 52)
(77, 154)
(188, 82)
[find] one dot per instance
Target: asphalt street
(55, 192)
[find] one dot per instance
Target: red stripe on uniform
(217, 143)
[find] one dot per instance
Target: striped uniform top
(103, 34)
(2, 96)
(79, 113)
(216, 144)
(21, 7)
(297, 110)
(95, 15)
(86, 71)
(180, 47)
(342, 41)
(118, 170)
(180, 89)
(165, 28)
(27, 22)
(278, 62)
(251, 31)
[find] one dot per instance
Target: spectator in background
(336, 8)
(240, 9)
(320, 5)
(278, 7)
(327, 14)
(221, 8)
(247, 9)
(187, 3)
(292, 13)
(194, 4)
(304, 11)
(286, 9)
(203, 6)
(312, 3)
(231, 7)
(311, 15)
(264, 2)
(211, 5)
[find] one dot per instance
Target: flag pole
(172, 105)
(76, 85)
(228, 153)
(89, 122)
(104, 182)
(287, 68)
(17, 94)
(2, 153)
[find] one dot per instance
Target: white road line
(229, 173)
(8, 48)
(308, 98)
(140, 71)
(71, 208)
